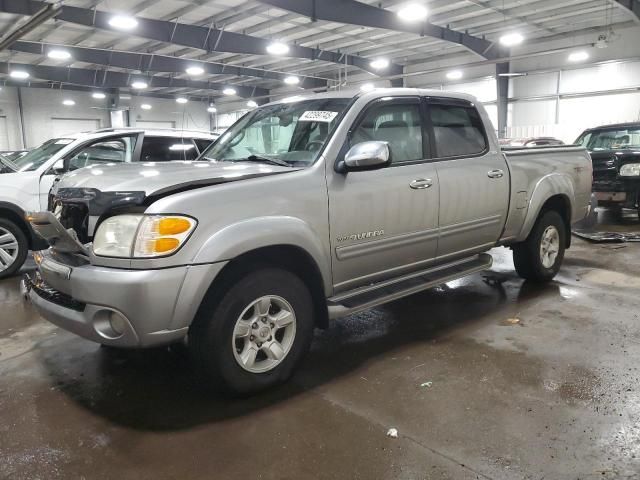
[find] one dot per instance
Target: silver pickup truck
(307, 209)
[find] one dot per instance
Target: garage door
(63, 126)
(150, 124)
(4, 134)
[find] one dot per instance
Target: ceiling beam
(357, 13)
(102, 79)
(157, 63)
(193, 36)
(632, 6)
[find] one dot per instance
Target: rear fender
(548, 186)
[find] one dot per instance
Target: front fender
(247, 235)
(548, 186)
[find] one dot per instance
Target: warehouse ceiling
(224, 42)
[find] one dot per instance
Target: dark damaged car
(615, 153)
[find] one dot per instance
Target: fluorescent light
(139, 84)
(19, 74)
(379, 63)
(292, 80)
(229, 91)
(251, 104)
(454, 75)
(98, 95)
(145, 106)
(277, 48)
(511, 39)
(182, 100)
(58, 54)
(512, 74)
(367, 87)
(212, 109)
(578, 56)
(123, 22)
(194, 71)
(68, 102)
(180, 146)
(413, 12)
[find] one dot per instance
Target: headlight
(630, 170)
(142, 236)
(115, 236)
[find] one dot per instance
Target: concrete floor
(473, 395)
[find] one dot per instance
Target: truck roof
(378, 93)
(103, 132)
(615, 125)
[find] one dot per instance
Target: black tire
(526, 255)
(212, 332)
(23, 247)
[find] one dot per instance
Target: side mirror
(366, 156)
(57, 168)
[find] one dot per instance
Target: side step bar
(370, 296)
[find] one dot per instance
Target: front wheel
(539, 257)
(253, 335)
(13, 248)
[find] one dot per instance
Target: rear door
(473, 175)
(384, 222)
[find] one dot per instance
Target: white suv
(25, 182)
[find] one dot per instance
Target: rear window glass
(458, 130)
(166, 149)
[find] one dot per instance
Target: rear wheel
(13, 248)
(539, 257)
(253, 335)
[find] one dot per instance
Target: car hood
(164, 178)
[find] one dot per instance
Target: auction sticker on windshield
(318, 116)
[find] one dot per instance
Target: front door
(474, 179)
(384, 222)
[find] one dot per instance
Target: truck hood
(164, 178)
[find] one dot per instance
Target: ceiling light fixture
(277, 48)
(251, 104)
(454, 75)
(182, 100)
(229, 91)
(513, 74)
(58, 54)
(123, 22)
(578, 56)
(292, 80)
(212, 109)
(194, 71)
(145, 106)
(413, 12)
(19, 74)
(511, 39)
(98, 95)
(379, 63)
(367, 87)
(139, 85)
(68, 102)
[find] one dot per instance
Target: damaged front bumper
(111, 306)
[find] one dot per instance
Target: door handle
(495, 174)
(420, 183)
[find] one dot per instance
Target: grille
(52, 295)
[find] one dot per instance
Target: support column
(502, 84)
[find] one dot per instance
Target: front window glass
(610, 139)
(286, 133)
(38, 156)
(111, 150)
(166, 149)
(398, 124)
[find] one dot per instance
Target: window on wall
(457, 129)
(396, 122)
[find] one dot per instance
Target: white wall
(9, 110)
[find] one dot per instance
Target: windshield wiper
(259, 159)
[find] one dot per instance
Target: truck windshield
(610, 139)
(38, 156)
(289, 133)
